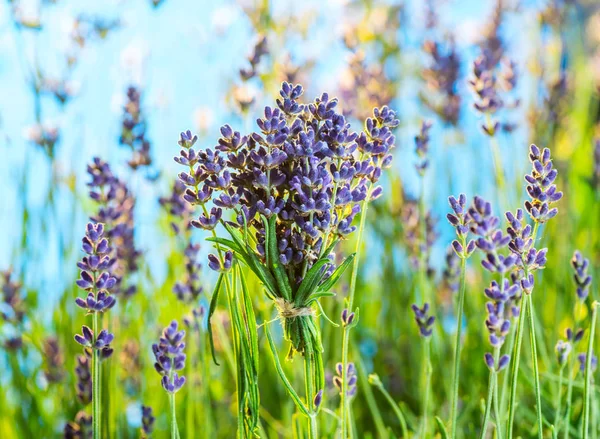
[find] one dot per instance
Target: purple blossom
(84, 380)
(541, 187)
(116, 207)
(147, 421)
(563, 349)
(581, 277)
(80, 428)
(133, 129)
(170, 358)
(422, 147)
(350, 375)
(189, 289)
(442, 78)
(582, 357)
(423, 319)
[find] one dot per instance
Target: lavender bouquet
(293, 190)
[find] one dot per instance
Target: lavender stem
(457, 346)
(536, 372)
(96, 407)
(588, 371)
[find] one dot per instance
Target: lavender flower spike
(581, 276)
(423, 319)
(170, 357)
(541, 187)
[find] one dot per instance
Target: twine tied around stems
(287, 310)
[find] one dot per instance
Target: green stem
(174, 429)
(427, 384)
(536, 371)
(96, 403)
(558, 400)
(588, 371)
(569, 398)
(496, 399)
(507, 375)
(344, 397)
(457, 346)
(344, 406)
(515, 368)
(310, 394)
(377, 383)
(488, 405)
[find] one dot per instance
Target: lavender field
(276, 219)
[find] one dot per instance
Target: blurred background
(120, 79)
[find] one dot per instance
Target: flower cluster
(170, 358)
(364, 85)
(177, 207)
(84, 380)
(96, 279)
(442, 77)
(350, 375)
(563, 350)
(133, 129)
(260, 49)
(13, 309)
(81, 428)
(55, 360)
(190, 288)
(528, 258)
(490, 237)
(487, 85)
(500, 296)
(116, 212)
(422, 147)
(541, 187)
(461, 222)
(147, 422)
(582, 358)
(580, 276)
(305, 171)
(423, 319)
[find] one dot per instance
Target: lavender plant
(294, 189)
(97, 280)
(574, 335)
(543, 194)
(463, 248)
(170, 358)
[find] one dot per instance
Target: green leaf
(253, 262)
(442, 428)
(277, 268)
(329, 249)
(335, 276)
(311, 280)
(250, 321)
(317, 295)
(211, 310)
(297, 400)
(228, 243)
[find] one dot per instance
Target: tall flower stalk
(96, 279)
(543, 193)
(574, 335)
(170, 359)
(591, 363)
(425, 323)
(463, 249)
